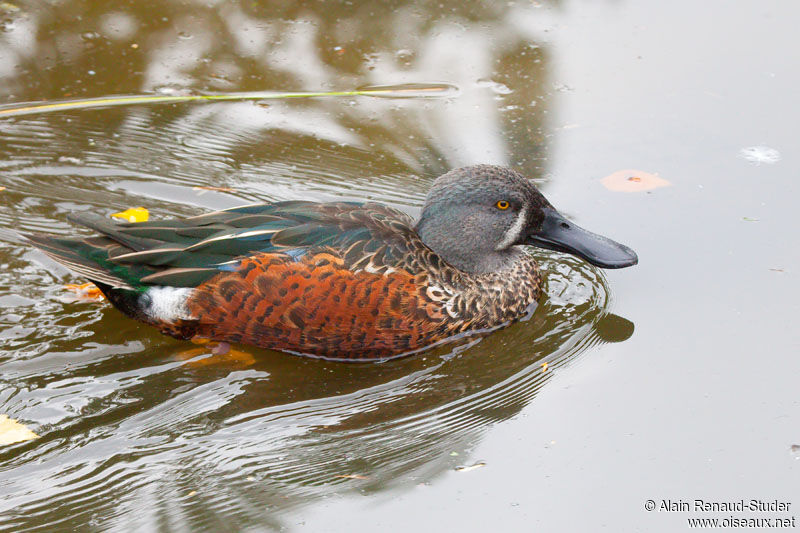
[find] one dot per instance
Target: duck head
(476, 217)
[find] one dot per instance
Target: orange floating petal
(86, 291)
(633, 181)
(134, 214)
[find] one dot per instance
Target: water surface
(139, 431)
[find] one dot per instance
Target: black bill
(559, 234)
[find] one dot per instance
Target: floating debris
(204, 188)
(8, 7)
(408, 90)
(750, 219)
(760, 154)
(795, 449)
(633, 181)
(495, 86)
(544, 367)
(134, 214)
(12, 432)
(352, 476)
(468, 468)
(168, 95)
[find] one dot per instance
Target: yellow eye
(502, 205)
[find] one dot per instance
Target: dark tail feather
(79, 256)
(114, 230)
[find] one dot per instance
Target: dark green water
(700, 402)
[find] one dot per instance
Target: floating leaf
(134, 214)
(471, 467)
(86, 291)
(633, 181)
(12, 431)
(544, 367)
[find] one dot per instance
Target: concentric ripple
(136, 431)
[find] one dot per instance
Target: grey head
(476, 218)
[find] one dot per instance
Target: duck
(344, 281)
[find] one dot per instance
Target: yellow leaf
(134, 214)
(544, 367)
(633, 181)
(12, 431)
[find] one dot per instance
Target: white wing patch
(168, 303)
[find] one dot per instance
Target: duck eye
(502, 205)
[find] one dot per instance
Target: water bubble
(404, 56)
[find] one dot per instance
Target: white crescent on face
(515, 231)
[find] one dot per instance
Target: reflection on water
(127, 422)
(130, 431)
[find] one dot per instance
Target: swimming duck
(343, 280)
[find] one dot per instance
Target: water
(577, 418)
